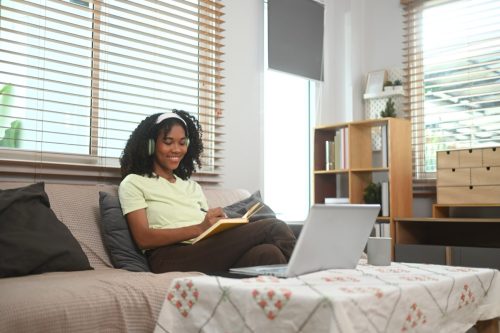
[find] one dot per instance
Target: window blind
(452, 77)
(78, 76)
(295, 37)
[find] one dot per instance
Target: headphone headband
(167, 115)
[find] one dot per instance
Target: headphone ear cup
(151, 147)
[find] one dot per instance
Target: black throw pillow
(238, 209)
(32, 239)
(117, 239)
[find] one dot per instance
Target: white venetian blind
(78, 76)
(453, 77)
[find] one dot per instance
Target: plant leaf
(12, 137)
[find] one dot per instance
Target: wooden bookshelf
(364, 164)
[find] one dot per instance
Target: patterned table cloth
(397, 298)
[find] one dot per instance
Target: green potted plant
(398, 86)
(388, 85)
(390, 110)
(12, 134)
(373, 193)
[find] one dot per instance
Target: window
(287, 149)
(78, 76)
(453, 77)
(289, 109)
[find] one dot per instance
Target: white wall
(383, 34)
(360, 36)
(338, 90)
(244, 71)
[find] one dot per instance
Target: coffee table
(402, 297)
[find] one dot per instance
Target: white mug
(379, 251)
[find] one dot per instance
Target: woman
(165, 209)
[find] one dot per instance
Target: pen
(203, 209)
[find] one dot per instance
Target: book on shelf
(337, 150)
(228, 223)
(342, 185)
(342, 148)
(345, 146)
(380, 146)
(334, 201)
(385, 198)
(385, 230)
(382, 229)
(330, 155)
(376, 230)
(384, 146)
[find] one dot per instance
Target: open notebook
(333, 236)
(228, 223)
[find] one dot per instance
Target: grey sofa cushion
(32, 239)
(239, 208)
(117, 239)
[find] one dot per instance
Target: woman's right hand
(211, 217)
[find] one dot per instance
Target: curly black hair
(135, 158)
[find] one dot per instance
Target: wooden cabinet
(491, 156)
(468, 176)
(377, 150)
(464, 226)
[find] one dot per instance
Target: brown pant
(263, 242)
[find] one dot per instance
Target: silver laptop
(333, 236)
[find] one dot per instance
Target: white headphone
(162, 117)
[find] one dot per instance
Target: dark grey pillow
(117, 239)
(32, 239)
(238, 209)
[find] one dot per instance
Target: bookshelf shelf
(370, 170)
(385, 94)
(326, 172)
(378, 151)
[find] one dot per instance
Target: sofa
(101, 299)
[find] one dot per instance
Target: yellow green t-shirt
(168, 205)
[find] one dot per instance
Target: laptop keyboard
(272, 270)
(276, 270)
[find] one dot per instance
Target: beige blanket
(105, 300)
